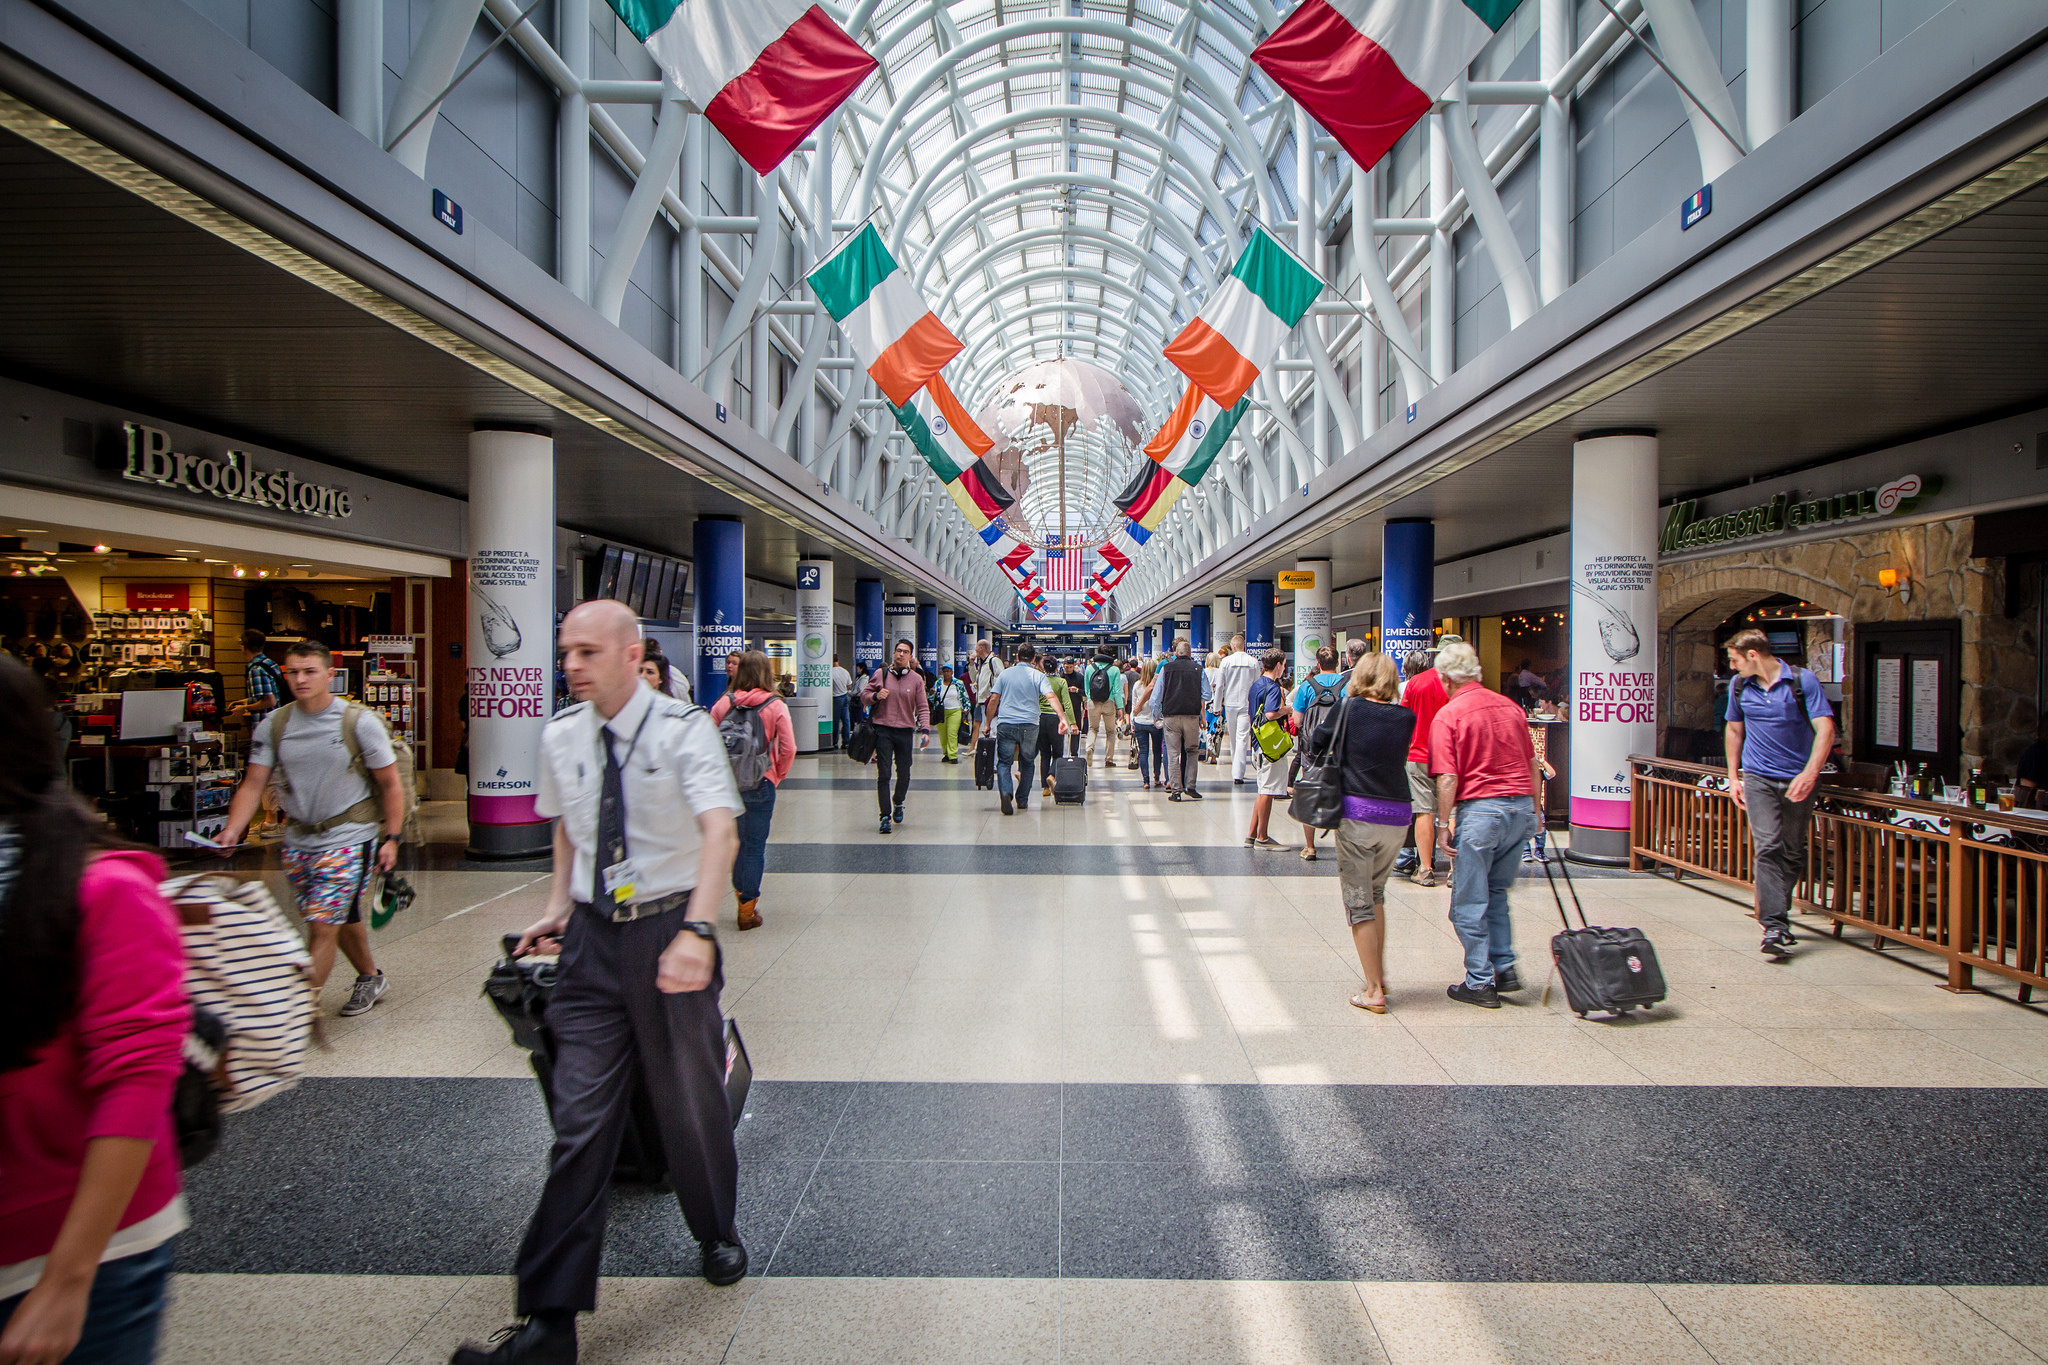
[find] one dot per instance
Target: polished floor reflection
(1083, 1084)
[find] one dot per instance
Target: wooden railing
(1968, 885)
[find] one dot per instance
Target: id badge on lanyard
(622, 875)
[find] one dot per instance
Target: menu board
(1927, 705)
(1887, 710)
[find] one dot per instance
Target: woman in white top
(670, 682)
(1145, 728)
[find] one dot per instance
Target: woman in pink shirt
(91, 1030)
(753, 686)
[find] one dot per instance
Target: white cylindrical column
(1769, 80)
(899, 622)
(511, 644)
(814, 637)
(359, 66)
(1226, 618)
(949, 643)
(1613, 634)
(1311, 585)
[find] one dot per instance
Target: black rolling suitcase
(1070, 775)
(519, 988)
(985, 763)
(1602, 969)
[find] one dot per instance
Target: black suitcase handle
(1545, 860)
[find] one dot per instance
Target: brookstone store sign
(1788, 512)
(235, 477)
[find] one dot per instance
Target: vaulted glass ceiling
(1064, 176)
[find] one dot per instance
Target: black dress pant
(892, 754)
(611, 1024)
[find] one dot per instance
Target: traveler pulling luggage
(1070, 775)
(519, 988)
(985, 763)
(1603, 969)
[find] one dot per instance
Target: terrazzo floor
(1082, 1084)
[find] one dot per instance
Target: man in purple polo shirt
(1780, 730)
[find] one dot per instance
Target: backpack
(1743, 682)
(369, 810)
(745, 736)
(246, 973)
(1321, 704)
(1098, 683)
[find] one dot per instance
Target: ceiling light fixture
(101, 549)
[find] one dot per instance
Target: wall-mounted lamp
(1892, 581)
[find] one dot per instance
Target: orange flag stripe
(913, 358)
(1201, 353)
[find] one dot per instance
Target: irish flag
(1368, 69)
(885, 319)
(1194, 435)
(765, 72)
(1245, 320)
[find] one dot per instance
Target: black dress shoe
(1009, 806)
(522, 1343)
(1483, 996)
(724, 1263)
(1505, 980)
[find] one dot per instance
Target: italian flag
(765, 72)
(885, 319)
(1194, 435)
(1368, 69)
(1245, 320)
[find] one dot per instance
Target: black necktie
(611, 823)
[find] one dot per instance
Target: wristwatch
(701, 929)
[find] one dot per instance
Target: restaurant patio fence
(1966, 884)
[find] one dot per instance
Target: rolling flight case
(519, 988)
(1070, 775)
(1602, 969)
(985, 763)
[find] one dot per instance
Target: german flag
(981, 494)
(1151, 491)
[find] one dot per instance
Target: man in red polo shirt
(1485, 767)
(1424, 695)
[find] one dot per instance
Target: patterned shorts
(327, 881)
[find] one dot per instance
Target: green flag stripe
(1493, 13)
(844, 282)
(1286, 286)
(913, 424)
(1212, 444)
(647, 17)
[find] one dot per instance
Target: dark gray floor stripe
(899, 853)
(1494, 1183)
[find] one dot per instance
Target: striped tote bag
(246, 965)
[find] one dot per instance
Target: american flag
(1066, 563)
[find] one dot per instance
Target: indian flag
(765, 72)
(1245, 320)
(950, 441)
(1368, 69)
(1195, 434)
(885, 319)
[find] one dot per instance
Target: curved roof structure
(1064, 178)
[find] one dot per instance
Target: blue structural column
(1258, 616)
(1198, 629)
(963, 644)
(928, 637)
(719, 545)
(1166, 636)
(1407, 588)
(867, 626)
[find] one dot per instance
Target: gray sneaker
(369, 990)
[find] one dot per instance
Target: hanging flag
(980, 495)
(1148, 489)
(1064, 571)
(1113, 563)
(765, 72)
(886, 321)
(944, 434)
(1235, 335)
(1195, 434)
(1163, 504)
(1368, 69)
(1013, 556)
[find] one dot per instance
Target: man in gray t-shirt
(331, 837)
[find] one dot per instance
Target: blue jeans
(1016, 742)
(1151, 751)
(122, 1314)
(1491, 831)
(842, 719)
(752, 859)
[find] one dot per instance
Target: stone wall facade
(1999, 652)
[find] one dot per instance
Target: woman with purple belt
(1374, 762)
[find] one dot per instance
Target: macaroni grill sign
(1789, 512)
(234, 479)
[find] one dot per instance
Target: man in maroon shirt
(1485, 767)
(1425, 696)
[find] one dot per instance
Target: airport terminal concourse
(928, 680)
